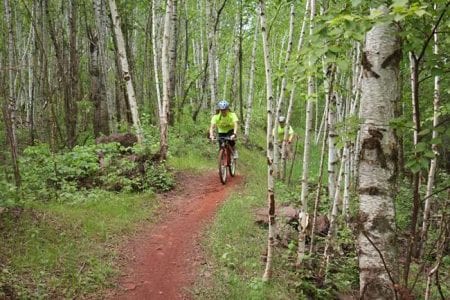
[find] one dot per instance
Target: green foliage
(65, 250)
(157, 177)
(109, 166)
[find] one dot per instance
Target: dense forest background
(114, 96)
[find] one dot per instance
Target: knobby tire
(232, 165)
(223, 166)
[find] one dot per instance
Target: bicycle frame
(227, 163)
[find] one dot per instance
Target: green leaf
(436, 141)
(424, 132)
(420, 12)
(420, 147)
(399, 3)
(355, 3)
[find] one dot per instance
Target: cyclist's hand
(233, 136)
(211, 137)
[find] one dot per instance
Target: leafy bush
(47, 175)
(158, 177)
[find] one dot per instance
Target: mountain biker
(226, 123)
(281, 129)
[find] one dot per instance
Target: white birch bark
(376, 240)
(166, 76)
(346, 195)
(212, 54)
(434, 148)
(281, 99)
(126, 75)
(9, 110)
(333, 218)
(156, 58)
(292, 96)
(251, 86)
(303, 215)
(269, 145)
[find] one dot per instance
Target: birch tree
(251, 86)
(377, 165)
(434, 148)
(125, 70)
(303, 215)
(9, 108)
(269, 144)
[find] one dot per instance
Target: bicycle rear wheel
(232, 165)
(223, 166)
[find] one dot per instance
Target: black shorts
(227, 134)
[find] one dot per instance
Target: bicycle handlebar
(224, 138)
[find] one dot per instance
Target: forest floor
(162, 260)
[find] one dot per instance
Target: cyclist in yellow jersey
(226, 123)
(281, 129)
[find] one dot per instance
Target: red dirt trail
(161, 261)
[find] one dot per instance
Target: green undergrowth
(236, 245)
(67, 250)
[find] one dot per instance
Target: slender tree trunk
(251, 86)
(165, 68)
(172, 62)
(278, 170)
(292, 96)
(9, 108)
(434, 148)
(156, 59)
(414, 64)
(212, 54)
(303, 216)
(269, 145)
(377, 170)
(319, 185)
(126, 75)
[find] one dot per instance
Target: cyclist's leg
(232, 143)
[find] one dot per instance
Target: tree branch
(425, 45)
(382, 259)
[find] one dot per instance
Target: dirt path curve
(162, 260)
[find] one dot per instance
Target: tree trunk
(166, 77)
(303, 216)
(377, 165)
(251, 86)
(280, 100)
(212, 54)
(126, 76)
(97, 72)
(269, 145)
(434, 148)
(9, 108)
(292, 96)
(156, 59)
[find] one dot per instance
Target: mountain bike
(227, 161)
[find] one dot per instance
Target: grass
(235, 243)
(61, 250)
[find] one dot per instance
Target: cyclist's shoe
(235, 154)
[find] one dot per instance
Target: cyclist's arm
(211, 130)
(235, 127)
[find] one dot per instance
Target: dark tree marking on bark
(367, 67)
(373, 143)
(393, 59)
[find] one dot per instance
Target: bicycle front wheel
(223, 166)
(232, 165)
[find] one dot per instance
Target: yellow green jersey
(224, 123)
(281, 132)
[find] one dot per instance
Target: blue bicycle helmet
(223, 104)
